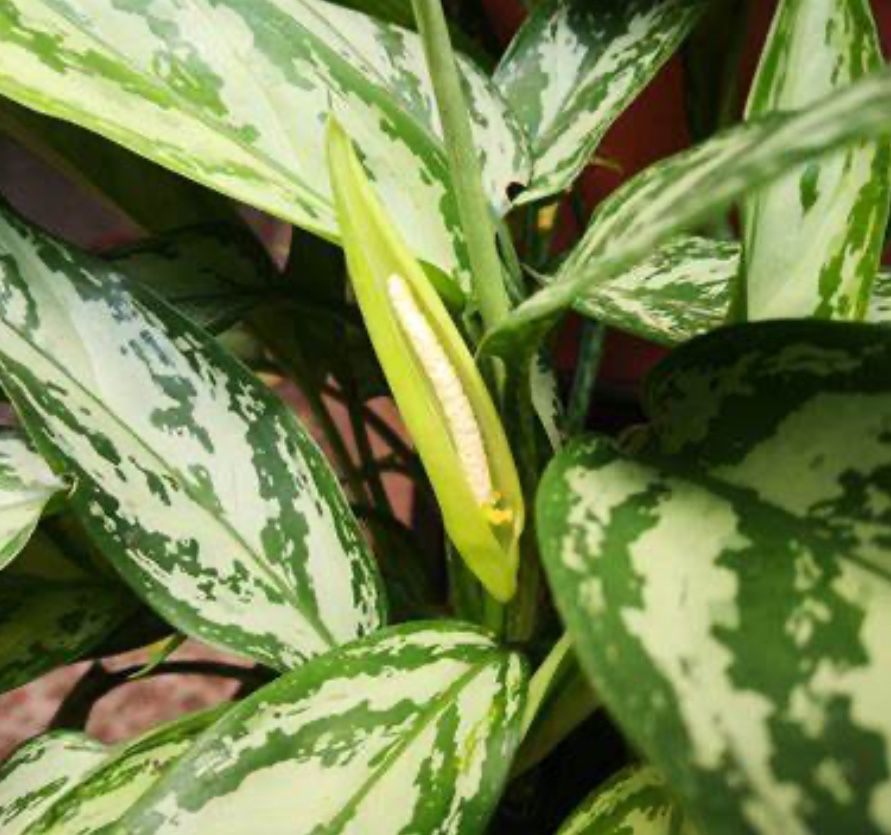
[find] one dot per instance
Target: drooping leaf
(235, 95)
(673, 195)
(198, 483)
(679, 292)
(26, 485)
(728, 582)
(212, 274)
(634, 802)
(410, 730)
(575, 66)
(52, 612)
(93, 805)
(813, 237)
(152, 197)
(41, 771)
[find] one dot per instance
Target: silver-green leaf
(813, 237)
(197, 482)
(410, 730)
(635, 801)
(575, 66)
(673, 195)
(39, 772)
(26, 485)
(727, 579)
(235, 95)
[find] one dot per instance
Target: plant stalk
(473, 205)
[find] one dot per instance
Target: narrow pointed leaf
(814, 236)
(234, 94)
(198, 483)
(441, 395)
(634, 802)
(213, 274)
(53, 613)
(728, 584)
(94, 804)
(41, 771)
(674, 195)
(575, 66)
(26, 485)
(410, 730)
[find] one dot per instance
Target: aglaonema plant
(679, 625)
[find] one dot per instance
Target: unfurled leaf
(441, 396)
(94, 804)
(26, 485)
(727, 582)
(575, 66)
(212, 274)
(235, 94)
(410, 730)
(813, 238)
(197, 483)
(681, 291)
(673, 195)
(634, 802)
(41, 771)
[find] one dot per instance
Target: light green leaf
(727, 583)
(213, 274)
(235, 95)
(575, 66)
(26, 485)
(813, 238)
(94, 804)
(410, 730)
(680, 291)
(880, 300)
(41, 771)
(53, 613)
(634, 802)
(197, 482)
(674, 195)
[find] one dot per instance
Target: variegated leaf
(213, 274)
(41, 771)
(52, 612)
(634, 802)
(813, 237)
(683, 290)
(26, 485)
(575, 66)
(410, 730)
(728, 583)
(95, 803)
(196, 481)
(673, 195)
(680, 291)
(234, 94)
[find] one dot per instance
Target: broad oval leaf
(26, 485)
(814, 236)
(635, 801)
(673, 195)
(53, 613)
(197, 482)
(39, 772)
(94, 804)
(728, 585)
(410, 730)
(575, 66)
(234, 94)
